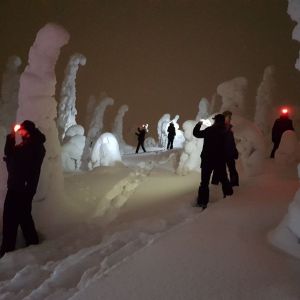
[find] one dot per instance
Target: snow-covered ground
(131, 232)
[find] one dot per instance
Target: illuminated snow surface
(131, 232)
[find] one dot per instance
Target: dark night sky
(160, 56)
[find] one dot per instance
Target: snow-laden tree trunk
(37, 103)
(67, 105)
(9, 92)
(264, 100)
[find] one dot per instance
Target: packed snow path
(221, 253)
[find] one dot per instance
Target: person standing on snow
(141, 137)
(282, 124)
(212, 158)
(171, 135)
(231, 153)
(23, 162)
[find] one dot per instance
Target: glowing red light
(284, 110)
(17, 127)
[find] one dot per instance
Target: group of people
(24, 160)
(141, 135)
(219, 152)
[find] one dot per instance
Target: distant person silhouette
(171, 135)
(231, 153)
(23, 162)
(141, 137)
(282, 124)
(212, 158)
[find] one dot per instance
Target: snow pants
(233, 174)
(170, 143)
(206, 171)
(275, 147)
(140, 144)
(17, 211)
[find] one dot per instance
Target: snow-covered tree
(118, 129)
(37, 103)
(216, 102)
(89, 110)
(204, 109)
(95, 128)
(250, 144)
(9, 92)
(264, 100)
(233, 95)
(67, 105)
(190, 157)
(286, 154)
(105, 151)
(162, 126)
(294, 12)
(72, 148)
(287, 234)
(97, 122)
(179, 137)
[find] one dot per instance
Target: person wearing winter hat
(212, 158)
(23, 162)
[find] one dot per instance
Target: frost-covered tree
(67, 105)
(72, 148)
(294, 12)
(287, 234)
(89, 110)
(190, 157)
(233, 95)
(97, 121)
(216, 102)
(286, 154)
(203, 110)
(162, 126)
(118, 129)
(264, 101)
(95, 128)
(250, 144)
(105, 151)
(37, 103)
(179, 137)
(9, 92)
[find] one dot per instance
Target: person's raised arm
(197, 132)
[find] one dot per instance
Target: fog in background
(160, 56)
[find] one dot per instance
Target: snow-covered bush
(72, 148)
(286, 154)
(162, 130)
(105, 151)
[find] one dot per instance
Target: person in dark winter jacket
(141, 138)
(171, 135)
(231, 153)
(282, 124)
(212, 158)
(23, 163)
